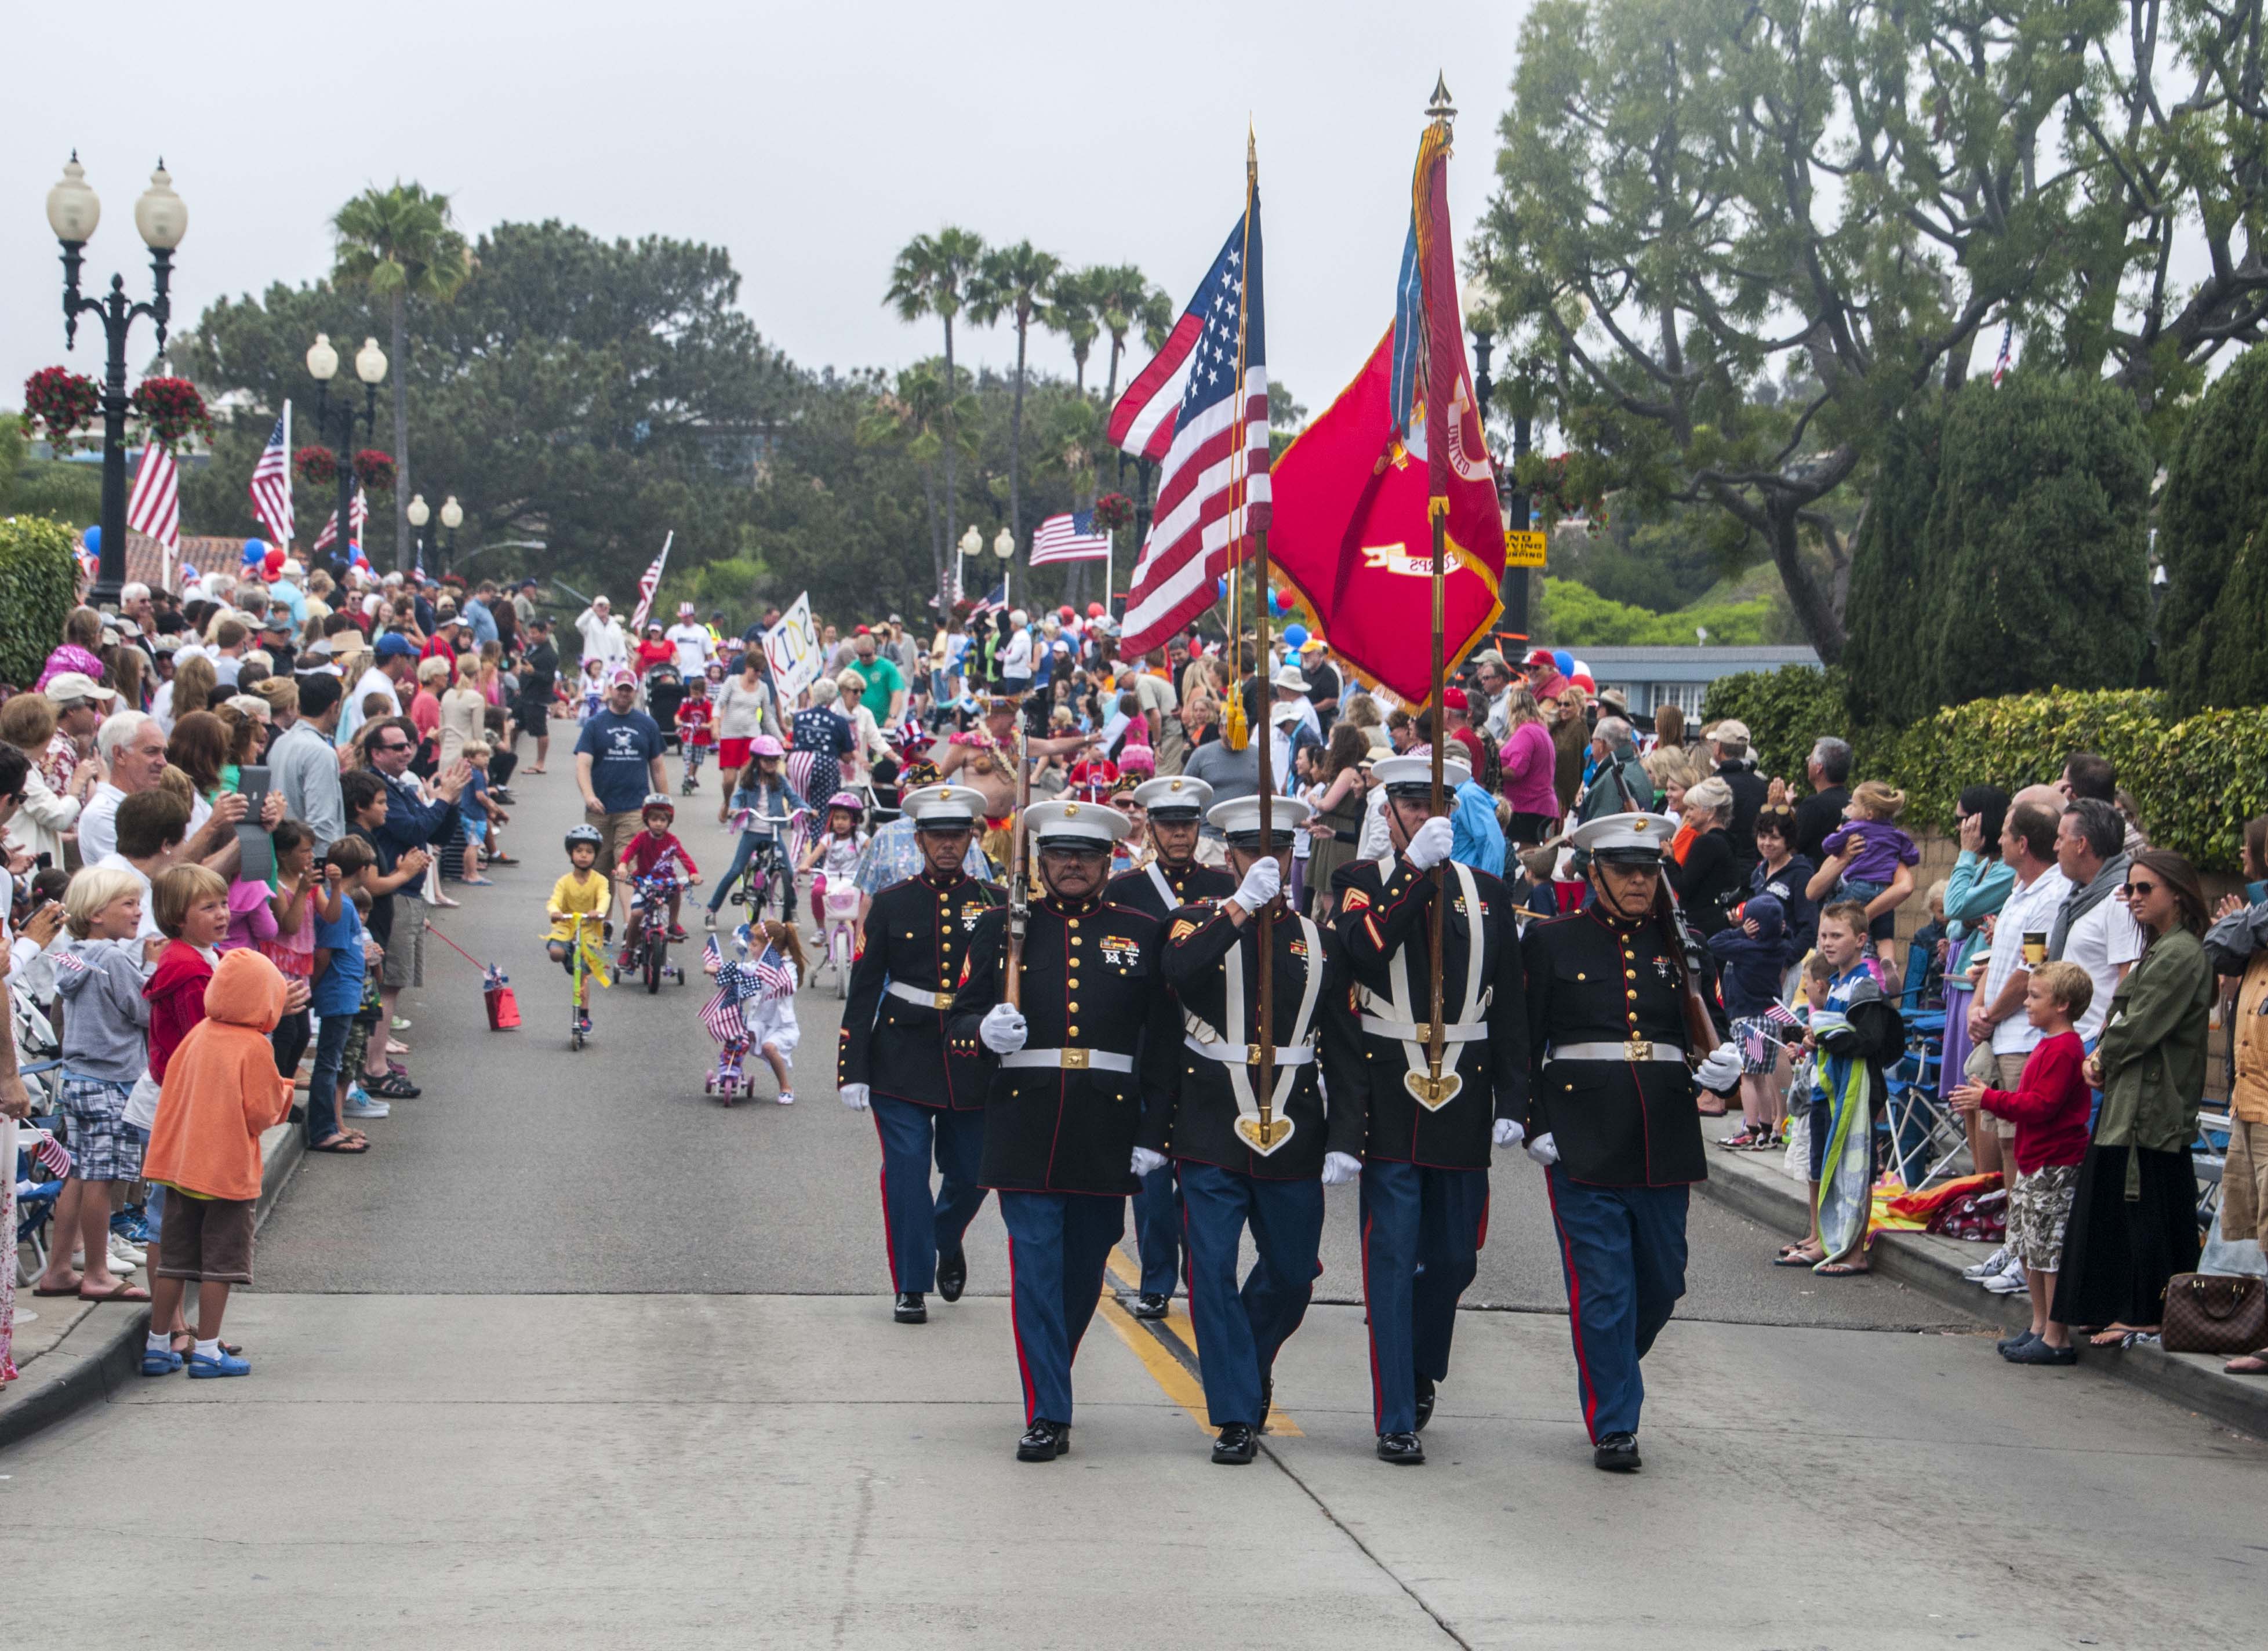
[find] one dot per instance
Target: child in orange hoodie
(221, 1092)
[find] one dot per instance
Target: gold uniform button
(1579, 975)
(1629, 974)
(1074, 1008)
(1074, 922)
(1073, 1031)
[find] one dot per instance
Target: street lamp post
(971, 544)
(452, 517)
(73, 210)
(323, 366)
(1003, 546)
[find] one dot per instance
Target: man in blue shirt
(618, 764)
(477, 616)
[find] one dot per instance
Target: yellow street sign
(1523, 550)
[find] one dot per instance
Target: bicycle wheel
(657, 954)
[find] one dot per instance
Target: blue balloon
(1295, 635)
(1564, 660)
(92, 539)
(1220, 585)
(253, 549)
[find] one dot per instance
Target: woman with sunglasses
(2133, 1219)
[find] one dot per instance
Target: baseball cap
(623, 675)
(1454, 698)
(1541, 656)
(1732, 729)
(279, 622)
(65, 686)
(395, 645)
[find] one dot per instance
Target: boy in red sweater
(2050, 1108)
(640, 858)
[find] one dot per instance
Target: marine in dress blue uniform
(1425, 1140)
(1237, 1168)
(1072, 1070)
(1611, 1114)
(927, 1097)
(1172, 879)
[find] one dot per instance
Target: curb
(103, 1351)
(1932, 1265)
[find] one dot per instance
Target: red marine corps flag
(1355, 495)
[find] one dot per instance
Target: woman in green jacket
(2133, 1217)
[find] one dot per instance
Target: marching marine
(927, 1099)
(1072, 1070)
(1173, 878)
(1610, 1114)
(1242, 1163)
(1426, 1115)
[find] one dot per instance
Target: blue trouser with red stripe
(1158, 1231)
(1239, 1332)
(1059, 1244)
(915, 1226)
(1623, 1250)
(1422, 1231)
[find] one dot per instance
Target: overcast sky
(812, 141)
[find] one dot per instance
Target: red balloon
(1285, 598)
(271, 565)
(1094, 610)
(1583, 679)
(1065, 611)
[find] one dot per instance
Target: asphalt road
(577, 1356)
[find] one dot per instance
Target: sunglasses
(398, 745)
(2133, 889)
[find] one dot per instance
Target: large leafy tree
(932, 276)
(1126, 303)
(1071, 311)
(1016, 283)
(400, 243)
(2214, 615)
(917, 416)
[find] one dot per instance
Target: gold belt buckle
(1637, 1048)
(1074, 1059)
(942, 999)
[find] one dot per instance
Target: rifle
(1019, 875)
(1700, 1025)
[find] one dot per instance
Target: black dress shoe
(1402, 1449)
(952, 1274)
(1236, 1446)
(1617, 1453)
(1149, 1305)
(1267, 1400)
(1044, 1442)
(910, 1309)
(1424, 1401)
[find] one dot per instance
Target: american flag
(155, 508)
(51, 1155)
(774, 974)
(271, 482)
(2001, 366)
(1069, 537)
(1187, 409)
(649, 582)
(1779, 1014)
(357, 516)
(722, 1015)
(711, 958)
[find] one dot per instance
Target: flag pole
(1239, 511)
(292, 515)
(1438, 399)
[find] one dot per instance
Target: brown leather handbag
(2208, 1313)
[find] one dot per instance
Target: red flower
(374, 469)
(315, 466)
(171, 408)
(61, 400)
(1114, 511)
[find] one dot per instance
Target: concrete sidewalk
(76, 1352)
(1753, 1184)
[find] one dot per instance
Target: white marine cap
(1626, 839)
(1239, 819)
(1178, 797)
(945, 808)
(1087, 824)
(1414, 772)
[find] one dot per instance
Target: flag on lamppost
(155, 507)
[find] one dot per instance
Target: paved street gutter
(1753, 1186)
(102, 1349)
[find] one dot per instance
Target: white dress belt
(1248, 1054)
(1069, 1059)
(1637, 1049)
(899, 990)
(1418, 1031)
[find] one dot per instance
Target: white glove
(1431, 844)
(1146, 1161)
(854, 1096)
(1545, 1150)
(1339, 1168)
(1719, 1069)
(1509, 1134)
(1261, 884)
(1004, 1031)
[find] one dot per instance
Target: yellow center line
(1181, 1387)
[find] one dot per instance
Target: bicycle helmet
(765, 745)
(850, 800)
(586, 834)
(658, 800)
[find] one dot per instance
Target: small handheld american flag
(774, 974)
(51, 1155)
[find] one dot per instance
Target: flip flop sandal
(1838, 1270)
(2249, 1364)
(1797, 1258)
(66, 1290)
(119, 1292)
(344, 1144)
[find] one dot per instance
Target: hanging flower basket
(1566, 484)
(1114, 511)
(374, 469)
(62, 402)
(171, 408)
(315, 467)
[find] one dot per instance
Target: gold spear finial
(1440, 108)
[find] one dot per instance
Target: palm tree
(1016, 282)
(931, 276)
(1124, 299)
(915, 416)
(400, 244)
(1071, 311)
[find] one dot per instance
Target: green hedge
(2198, 778)
(38, 586)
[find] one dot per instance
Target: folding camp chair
(1924, 1137)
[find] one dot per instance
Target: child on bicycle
(653, 851)
(772, 1026)
(697, 723)
(583, 892)
(762, 794)
(835, 853)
